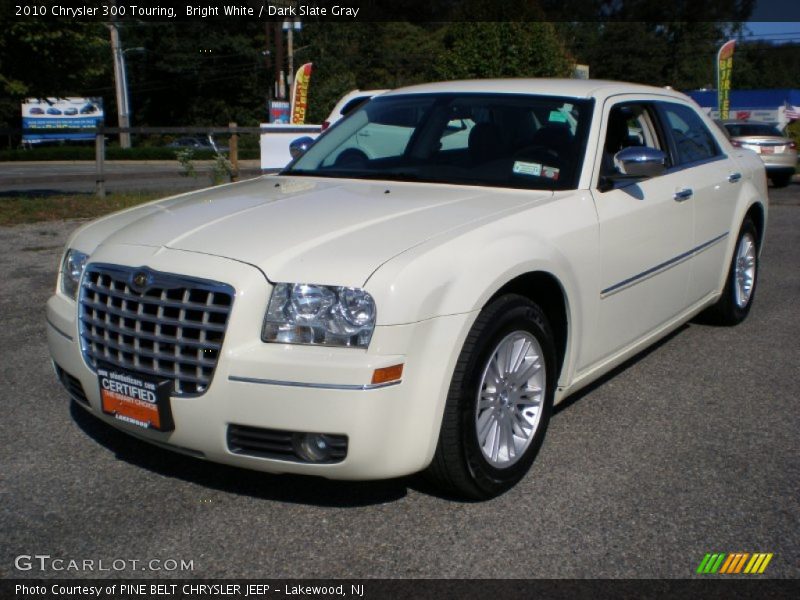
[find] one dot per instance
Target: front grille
(171, 327)
(74, 387)
(281, 445)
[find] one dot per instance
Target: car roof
(575, 88)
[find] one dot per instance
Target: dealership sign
(53, 114)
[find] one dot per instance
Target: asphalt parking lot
(691, 447)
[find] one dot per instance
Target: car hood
(306, 229)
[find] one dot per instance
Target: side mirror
(640, 161)
(299, 146)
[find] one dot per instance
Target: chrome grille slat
(168, 340)
(159, 301)
(152, 319)
(139, 352)
(173, 329)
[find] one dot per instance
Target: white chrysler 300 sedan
(419, 288)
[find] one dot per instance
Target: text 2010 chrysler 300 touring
(417, 289)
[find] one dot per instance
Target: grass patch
(28, 208)
(112, 153)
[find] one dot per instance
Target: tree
(502, 49)
(45, 59)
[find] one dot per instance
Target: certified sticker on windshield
(527, 168)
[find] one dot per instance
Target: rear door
(714, 182)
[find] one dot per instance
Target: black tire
(459, 465)
(780, 180)
(727, 311)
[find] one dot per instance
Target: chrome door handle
(734, 177)
(683, 194)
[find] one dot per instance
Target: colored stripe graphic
(734, 563)
(703, 563)
(740, 564)
(727, 564)
(764, 564)
(711, 563)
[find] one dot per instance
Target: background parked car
(348, 103)
(778, 152)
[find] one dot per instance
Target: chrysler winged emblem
(140, 281)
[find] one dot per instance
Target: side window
(693, 140)
(629, 124)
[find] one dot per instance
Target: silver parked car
(778, 152)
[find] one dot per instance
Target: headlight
(71, 271)
(301, 313)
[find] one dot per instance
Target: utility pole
(280, 77)
(290, 52)
(121, 80)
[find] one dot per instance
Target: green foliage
(763, 65)
(513, 49)
(221, 170)
(44, 58)
(185, 157)
(678, 54)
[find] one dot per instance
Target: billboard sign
(279, 111)
(51, 114)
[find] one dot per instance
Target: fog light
(312, 447)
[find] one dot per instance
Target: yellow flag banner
(724, 68)
(300, 94)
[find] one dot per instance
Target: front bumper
(391, 431)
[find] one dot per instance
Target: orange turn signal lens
(387, 374)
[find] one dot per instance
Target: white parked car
(347, 104)
(359, 317)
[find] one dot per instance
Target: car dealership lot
(689, 448)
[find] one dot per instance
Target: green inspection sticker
(527, 168)
(556, 116)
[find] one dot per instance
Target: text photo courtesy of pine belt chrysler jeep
(420, 307)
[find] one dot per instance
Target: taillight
(736, 143)
(792, 145)
(325, 125)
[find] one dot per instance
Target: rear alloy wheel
(499, 402)
(740, 286)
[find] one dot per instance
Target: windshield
(507, 140)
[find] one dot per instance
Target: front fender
(460, 273)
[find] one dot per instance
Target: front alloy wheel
(509, 404)
(499, 401)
